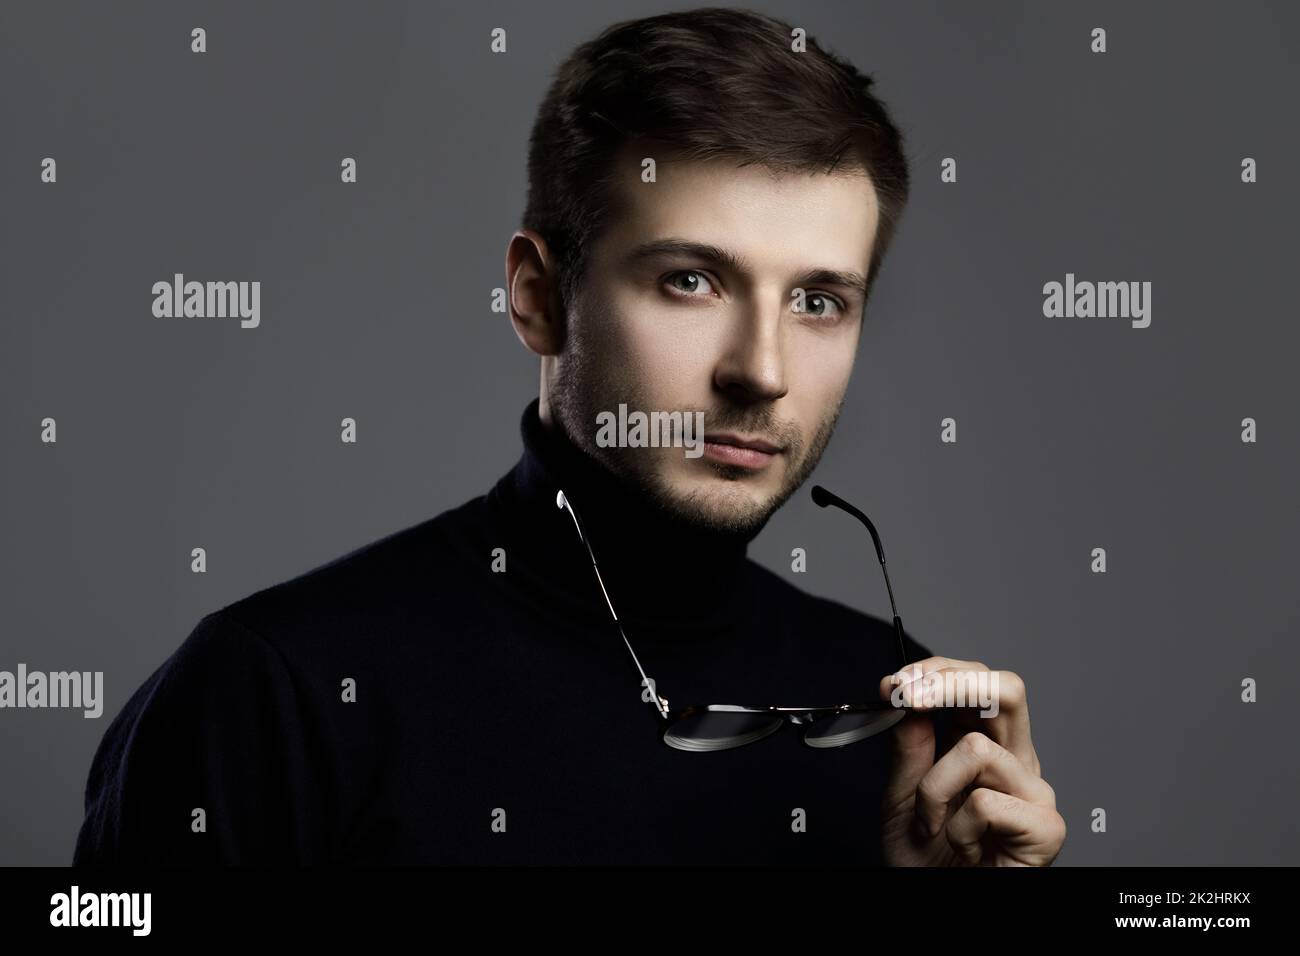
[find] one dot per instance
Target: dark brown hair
(700, 84)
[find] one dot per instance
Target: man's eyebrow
(707, 252)
(849, 280)
(660, 248)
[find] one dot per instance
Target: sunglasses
(706, 727)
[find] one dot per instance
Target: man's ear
(534, 294)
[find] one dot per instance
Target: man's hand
(984, 803)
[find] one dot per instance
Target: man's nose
(752, 364)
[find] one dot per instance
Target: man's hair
(700, 84)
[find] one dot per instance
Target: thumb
(911, 757)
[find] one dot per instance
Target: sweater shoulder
(370, 587)
(218, 726)
(833, 618)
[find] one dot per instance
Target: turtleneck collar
(661, 573)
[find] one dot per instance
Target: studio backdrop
(1100, 498)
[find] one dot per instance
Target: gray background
(1073, 433)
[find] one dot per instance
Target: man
(709, 204)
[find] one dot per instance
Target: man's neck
(656, 565)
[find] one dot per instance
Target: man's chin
(717, 506)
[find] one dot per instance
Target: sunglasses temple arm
(822, 497)
(562, 501)
(898, 621)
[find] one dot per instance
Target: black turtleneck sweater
(407, 703)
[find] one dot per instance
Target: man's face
(688, 304)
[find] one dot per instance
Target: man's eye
(822, 306)
(689, 282)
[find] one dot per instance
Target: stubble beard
(582, 387)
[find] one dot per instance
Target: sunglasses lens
(715, 730)
(851, 726)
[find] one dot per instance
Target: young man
(709, 204)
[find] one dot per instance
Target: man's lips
(731, 449)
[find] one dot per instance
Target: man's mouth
(752, 453)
